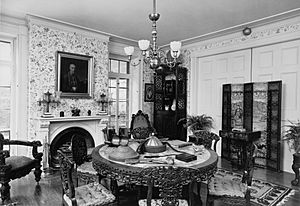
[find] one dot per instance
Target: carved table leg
(295, 167)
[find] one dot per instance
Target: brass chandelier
(152, 54)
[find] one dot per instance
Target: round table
(195, 171)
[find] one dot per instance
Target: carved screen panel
(260, 103)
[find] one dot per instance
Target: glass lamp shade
(175, 45)
(175, 54)
(144, 44)
(129, 50)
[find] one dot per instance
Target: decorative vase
(295, 167)
(173, 107)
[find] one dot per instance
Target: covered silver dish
(154, 145)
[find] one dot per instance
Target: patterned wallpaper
(148, 107)
(44, 42)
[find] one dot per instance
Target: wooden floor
(25, 192)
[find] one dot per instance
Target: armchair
(90, 194)
(170, 181)
(206, 138)
(13, 167)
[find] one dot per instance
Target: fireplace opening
(63, 140)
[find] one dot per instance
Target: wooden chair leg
(5, 192)
(115, 190)
(37, 173)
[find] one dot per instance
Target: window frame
(118, 76)
(12, 129)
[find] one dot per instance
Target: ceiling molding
(12, 26)
(56, 24)
(239, 28)
(281, 31)
(117, 48)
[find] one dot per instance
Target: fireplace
(63, 139)
(57, 132)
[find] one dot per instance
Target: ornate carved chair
(83, 161)
(90, 194)
(170, 181)
(13, 167)
(206, 138)
(140, 126)
(233, 191)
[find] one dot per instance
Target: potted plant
(292, 137)
(197, 122)
(199, 125)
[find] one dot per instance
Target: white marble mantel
(49, 127)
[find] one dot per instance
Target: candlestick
(47, 100)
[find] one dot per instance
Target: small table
(238, 143)
(205, 165)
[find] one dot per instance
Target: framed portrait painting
(149, 92)
(74, 75)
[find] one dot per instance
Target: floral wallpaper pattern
(44, 42)
(148, 107)
(186, 62)
(269, 32)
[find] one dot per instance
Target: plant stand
(296, 167)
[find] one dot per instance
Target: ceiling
(179, 20)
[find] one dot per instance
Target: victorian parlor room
(150, 102)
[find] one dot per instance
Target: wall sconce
(47, 99)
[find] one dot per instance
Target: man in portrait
(71, 81)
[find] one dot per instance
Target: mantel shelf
(73, 118)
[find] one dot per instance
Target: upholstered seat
(92, 194)
(233, 191)
(219, 186)
(13, 167)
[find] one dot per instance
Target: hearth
(56, 132)
(63, 140)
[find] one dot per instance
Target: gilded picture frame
(74, 75)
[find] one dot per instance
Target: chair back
(169, 180)
(79, 149)
(206, 138)
(140, 126)
(66, 170)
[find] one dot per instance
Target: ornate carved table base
(296, 167)
(169, 179)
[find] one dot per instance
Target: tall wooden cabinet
(170, 102)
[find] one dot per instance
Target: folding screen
(255, 107)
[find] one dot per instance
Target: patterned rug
(262, 193)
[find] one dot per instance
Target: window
(119, 78)
(6, 71)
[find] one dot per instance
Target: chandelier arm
(153, 55)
